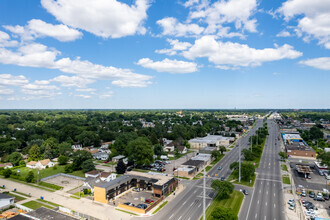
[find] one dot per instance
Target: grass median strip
(23, 194)
(34, 205)
(233, 202)
(48, 202)
(286, 179)
(17, 198)
(159, 207)
(284, 167)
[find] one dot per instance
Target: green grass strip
(159, 207)
(35, 205)
(48, 202)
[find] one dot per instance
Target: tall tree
(121, 167)
(141, 151)
(34, 153)
(79, 157)
(223, 188)
(15, 158)
(88, 165)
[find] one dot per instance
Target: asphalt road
(188, 205)
(267, 198)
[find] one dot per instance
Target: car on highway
(222, 178)
(311, 194)
(219, 168)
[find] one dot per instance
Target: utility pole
(204, 186)
(239, 161)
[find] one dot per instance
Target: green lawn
(286, 179)
(50, 203)
(34, 205)
(218, 159)
(47, 172)
(49, 185)
(234, 202)
(82, 195)
(159, 207)
(243, 182)
(208, 168)
(17, 198)
(198, 176)
(284, 167)
(23, 194)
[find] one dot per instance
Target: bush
(29, 178)
(85, 191)
(68, 169)
(7, 173)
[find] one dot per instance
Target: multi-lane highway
(267, 198)
(188, 205)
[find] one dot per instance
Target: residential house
(100, 156)
(107, 176)
(182, 149)
(77, 147)
(32, 165)
(6, 201)
(120, 157)
(6, 165)
(93, 174)
(42, 164)
(169, 147)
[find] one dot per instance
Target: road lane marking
(267, 192)
(185, 202)
(199, 205)
(274, 205)
(258, 201)
(180, 217)
(266, 203)
(171, 216)
(191, 204)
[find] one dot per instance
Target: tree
(325, 158)
(65, 149)
(34, 152)
(215, 154)
(234, 165)
(121, 167)
(7, 172)
(223, 188)
(29, 177)
(222, 213)
(283, 155)
(88, 165)
(15, 158)
(315, 133)
(222, 149)
(48, 152)
(62, 160)
(79, 157)
(247, 171)
(140, 150)
(87, 138)
(247, 155)
(158, 149)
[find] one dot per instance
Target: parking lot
(136, 197)
(316, 181)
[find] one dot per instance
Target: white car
(325, 190)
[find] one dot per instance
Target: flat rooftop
(292, 136)
(208, 139)
(44, 213)
(303, 168)
(298, 146)
(162, 178)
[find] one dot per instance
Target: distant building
(210, 141)
(77, 147)
(182, 149)
(101, 156)
(6, 165)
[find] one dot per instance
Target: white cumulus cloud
(37, 28)
(235, 54)
(176, 46)
(11, 80)
(319, 63)
(313, 18)
(167, 65)
(105, 18)
(171, 26)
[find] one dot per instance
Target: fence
(76, 214)
(63, 174)
(23, 207)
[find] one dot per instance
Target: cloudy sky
(164, 54)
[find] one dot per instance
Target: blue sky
(112, 54)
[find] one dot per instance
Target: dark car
(326, 197)
(219, 168)
(312, 194)
(142, 206)
(245, 192)
(222, 178)
(320, 199)
(129, 203)
(291, 165)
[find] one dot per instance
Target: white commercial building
(210, 141)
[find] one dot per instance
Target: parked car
(136, 189)
(291, 201)
(174, 169)
(291, 165)
(320, 199)
(142, 206)
(319, 195)
(303, 193)
(129, 169)
(311, 194)
(245, 192)
(149, 201)
(326, 197)
(129, 203)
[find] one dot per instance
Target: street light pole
(204, 186)
(239, 161)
